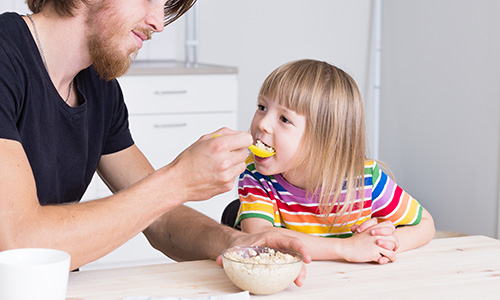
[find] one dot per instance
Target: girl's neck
(295, 178)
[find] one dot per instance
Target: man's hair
(65, 8)
(62, 7)
(176, 8)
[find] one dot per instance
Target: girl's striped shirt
(273, 199)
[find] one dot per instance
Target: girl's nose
(265, 125)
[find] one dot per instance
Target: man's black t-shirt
(63, 144)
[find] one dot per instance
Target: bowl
(261, 270)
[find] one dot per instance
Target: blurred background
(433, 106)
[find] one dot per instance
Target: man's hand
(277, 241)
(209, 166)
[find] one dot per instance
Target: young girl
(319, 186)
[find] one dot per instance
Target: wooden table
(452, 268)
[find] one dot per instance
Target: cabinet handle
(170, 125)
(159, 93)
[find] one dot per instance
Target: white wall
(14, 5)
(258, 36)
(440, 110)
(440, 106)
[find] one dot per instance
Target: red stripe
(255, 191)
(314, 209)
(392, 205)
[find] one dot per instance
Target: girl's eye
(261, 107)
(284, 119)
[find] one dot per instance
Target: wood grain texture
(448, 268)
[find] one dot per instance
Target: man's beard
(107, 61)
(105, 40)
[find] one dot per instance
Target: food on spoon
(263, 146)
(262, 150)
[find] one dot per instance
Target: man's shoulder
(15, 50)
(11, 27)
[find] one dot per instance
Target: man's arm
(92, 229)
(86, 230)
(186, 234)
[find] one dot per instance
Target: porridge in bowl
(261, 270)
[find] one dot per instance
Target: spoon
(257, 151)
(260, 152)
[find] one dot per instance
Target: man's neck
(63, 40)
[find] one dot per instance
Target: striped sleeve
(254, 198)
(391, 202)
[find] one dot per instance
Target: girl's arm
(361, 247)
(411, 237)
(407, 237)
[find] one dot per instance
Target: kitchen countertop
(170, 67)
(448, 268)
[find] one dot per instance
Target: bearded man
(62, 117)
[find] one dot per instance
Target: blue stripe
(380, 186)
(368, 180)
(278, 187)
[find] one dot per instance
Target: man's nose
(156, 16)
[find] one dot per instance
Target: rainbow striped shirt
(272, 198)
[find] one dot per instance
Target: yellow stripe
(267, 207)
(411, 212)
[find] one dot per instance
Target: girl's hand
(364, 226)
(384, 229)
(365, 247)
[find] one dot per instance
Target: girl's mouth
(260, 149)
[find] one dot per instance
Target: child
(312, 114)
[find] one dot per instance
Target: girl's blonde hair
(332, 150)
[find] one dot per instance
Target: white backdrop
(258, 36)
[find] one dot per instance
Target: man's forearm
(186, 234)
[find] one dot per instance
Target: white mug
(29, 274)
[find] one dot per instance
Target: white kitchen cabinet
(170, 107)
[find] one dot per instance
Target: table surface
(450, 268)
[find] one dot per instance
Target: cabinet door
(181, 94)
(167, 115)
(161, 138)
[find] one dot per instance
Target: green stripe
(375, 173)
(253, 215)
(340, 236)
(251, 167)
(419, 218)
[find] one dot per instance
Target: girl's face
(282, 129)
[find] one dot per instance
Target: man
(62, 116)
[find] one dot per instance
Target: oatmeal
(261, 270)
(263, 146)
(270, 257)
